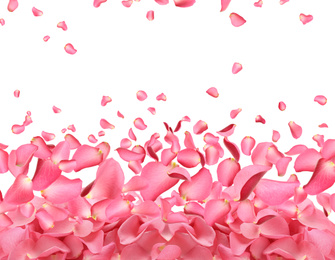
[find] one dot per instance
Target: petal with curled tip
(48, 136)
(87, 156)
(21, 191)
(18, 129)
(105, 100)
(37, 12)
(167, 156)
(260, 119)
(227, 170)
(213, 92)
(91, 138)
(235, 112)
(227, 131)
(295, 129)
(179, 173)
(216, 209)
(184, 3)
(273, 155)
(128, 155)
(282, 164)
(236, 20)
(135, 166)
(24, 154)
(188, 158)
(105, 149)
(132, 135)
(233, 148)
(283, 1)
(307, 160)
(200, 127)
(161, 97)
(247, 144)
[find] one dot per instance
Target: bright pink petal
(213, 92)
(238, 243)
(250, 230)
(105, 100)
(101, 133)
(235, 112)
(72, 128)
(150, 15)
(186, 118)
(259, 154)
(3, 161)
(63, 130)
(87, 156)
(67, 165)
(211, 139)
(237, 67)
(233, 148)
(48, 136)
(307, 160)
(323, 125)
(139, 124)
(281, 106)
(70, 49)
(60, 152)
(283, 1)
(260, 119)
(119, 114)
(152, 110)
(179, 173)
(43, 151)
(282, 165)
(106, 125)
(246, 211)
(127, 3)
(212, 155)
(322, 100)
(319, 139)
(328, 149)
(200, 127)
(276, 227)
(18, 129)
(161, 97)
(16, 92)
(247, 144)
(46, 246)
(184, 3)
(227, 171)
(296, 130)
(37, 12)
(62, 25)
(188, 158)
(273, 155)
(224, 5)
(92, 139)
(162, 2)
(305, 18)
(236, 20)
(299, 195)
(12, 5)
(45, 220)
(136, 183)
(141, 95)
(169, 252)
(297, 149)
(323, 177)
(128, 155)
(73, 142)
(21, 191)
(275, 136)
(258, 4)
(188, 141)
(132, 135)
(118, 208)
(215, 210)
(227, 131)
(46, 38)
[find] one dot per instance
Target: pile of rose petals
(240, 216)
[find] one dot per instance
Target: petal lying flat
(236, 20)
(106, 125)
(275, 192)
(184, 3)
(295, 129)
(260, 119)
(12, 5)
(224, 5)
(161, 97)
(73, 142)
(200, 127)
(275, 136)
(238, 243)
(198, 188)
(237, 67)
(305, 18)
(62, 25)
(188, 158)
(322, 100)
(235, 112)
(307, 160)
(215, 210)
(323, 177)
(282, 165)
(233, 148)
(128, 155)
(150, 15)
(139, 124)
(87, 156)
(281, 106)
(46, 173)
(227, 131)
(3, 161)
(37, 12)
(227, 171)
(247, 144)
(70, 49)
(213, 92)
(21, 191)
(105, 100)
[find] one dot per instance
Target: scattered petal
(319, 139)
(106, 125)
(101, 133)
(132, 135)
(161, 97)
(213, 92)
(12, 5)
(186, 118)
(92, 139)
(283, 1)
(2, 21)
(70, 49)
(162, 2)
(233, 148)
(275, 136)
(150, 15)
(97, 3)
(224, 5)
(247, 144)
(72, 128)
(281, 106)
(305, 18)
(62, 25)
(46, 38)
(258, 4)
(260, 119)
(48, 136)
(17, 93)
(322, 100)
(237, 67)
(119, 114)
(200, 127)
(105, 100)
(227, 131)
(152, 110)
(139, 124)
(236, 20)
(227, 171)
(323, 125)
(127, 3)
(56, 109)
(21, 191)
(18, 129)
(37, 12)
(296, 130)
(125, 143)
(184, 3)
(188, 158)
(141, 95)
(235, 112)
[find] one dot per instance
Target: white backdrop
(182, 53)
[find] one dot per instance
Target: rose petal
(305, 18)
(237, 67)
(213, 92)
(235, 112)
(200, 127)
(150, 15)
(247, 144)
(70, 49)
(236, 20)
(37, 12)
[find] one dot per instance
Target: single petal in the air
(37, 12)
(236, 20)
(258, 4)
(105, 100)
(247, 144)
(106, 125)
(70, 49)
(150, 15)
(141, 95)
(305, 18)
(62, 25)
(260, 119)
(200, 127)
(295, 129)
(237, 67)
(235, 112)
(213, 92)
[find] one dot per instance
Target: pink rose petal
(305, 18)
(188, 158)
(87, 156)
(281, 106)
(62, 25)
(282, 165)
(48, 136)
(46, 38)
(18, 129)
(247, 144)
(295, 129)
(72, 128)
(105, 100)
(12, 5)
(91, 138)
(21, 191)
(213, 92)
(162, 2)
(260, 119)
(37, 12)
(17, 93)
(70, 49)
(322, 100)
(200, 127)
(56, 109)
(161, 97)
(150, 15)
(236, 20)
(139, 124)
(237, 67)
(224, 5)
(184, 3)
(119, 114)
(106, 125)
(227, 131)
(227, 171)
(141, 95)
(232, 148)
(235, 112)
(283, 1)
(319, 139)
(97, 3)
(127, 3)
(275, 136)
(258, 4)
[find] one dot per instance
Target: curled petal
(48, 136)
(135, 166)
(43, 151)
(37, 12)
(104, 148)
(258, 4)
(296, 130)
(139, 124)
(105, 100)
(200, 127)
(275, 136)
(281, 106)
(62, 25)
(236, 20)
(237, 67)
(92, 139)
(233, 148)
(322, 100)
(18, 129)
(16, 92)
(213, 92)
(70, 49)
(184, 3)
(72, 128)
(150, 15)
(132, 135)
(101, 133)
(119, 114)
(161, 97)
(227, 171)
(130, 155)
(24, 154)
(46, 38)
(141, 95)
(247, 144)
(259, 154)
(21, 191)
(186, 118)
(305, 18)
(235, 112)
(227, 131)
(260, 119)
(106, 125)
(180, 173)
(188, 158)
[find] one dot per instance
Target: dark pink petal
(188, 158)
(258, 4)
(152, 110)
(235, 112)
(247, 144)
(159, 181)
(213, 92)
(105, 100)
(3, 161)
(21, 191)
(60, 152)
(73, 142)
(184, 3)
(16, 92)
(281, 106)
(56, 109)
(237, 67)
(227, 131)
(236, 20)
(135, 166)
(127, 3)
(282, 165)
(37, 12)
(227, 171)
(129, 155)
(141, 95)
(92, 139)
(323, 177)
(296, 130)
(260, 119)
(275, 136)
(247, 178)
(72, 128)
(178, 126)
(307, 160)
(62, 25)
(275, 192)
(139, 124)
(323, 125)
(319, 139)
(161, 97)
(18, 129)
(216, 209)
(150, 15)
(297, 149)
(162, 2)
(233, 148)
(224, 5)
(119, 114)
(106, 125)
(97, 3)
(275, 228)
(299, 195)
(322, 100)
(12, 5)
(200, 127)
(259, 154)
(305, 18)
(67, 165)
(70, 49)
(87, 156)
(48, 136)
(198, 188)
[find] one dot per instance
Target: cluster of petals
(241, 215)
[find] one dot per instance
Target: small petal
(296, 130)
(37, 12)
(247, 144)
(141, 95)
(62, 25)
(237, 67)
(297, 149)
(132, 135)
(48, 136)
(186, 118)
(200, 127)
(211, 139)
(130, 155)
(127, 3)
(224, 5)
(2, 21)
(319, 139)
(283, 1)
(139, 124)
(12, 5)
(161, 97)
(213, 92)
(125, 143)
(184, 3)
(119, 114)
(92, 139)
(258, 4)
(227, 131)
(73, 142)
(72, 128)
(235, 112)
(150, 15)
(46, 38)
(18, 129)
(233, 148)
(305, 18)
(212, 155)
(299, 195)
(260, 119)
(281, 106)
(106, 125)
(101, 133)
(323, 125)
(227, 171)
(87, 156)
(282, 165)
(275, 136)
(135, 166)
(56, 109)
(236, 20)
(70, 49)
(152, 110)
(97, 3)
(17, 93)
(105, 100)
(162, 2)
(322, 100)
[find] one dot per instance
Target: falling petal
(48, 136)
(127, 3)
(186, 118)
(101, 133)
(283, 1)
(43, 151)
(70, 49)
(132, 135)
(18, 129)
(139, 124)
(27, 120)
(247, 144)
(12, 5)
(297, 149)
(212, 155)
(73, 142)
(67, 165)
(72, 128)
(3, 161)
(56, 109)
(259, 154)
(211, 139)
(97, 3)
(200, 127)
(161, 97)
(37, 12)
(227, 171)
(260, 119)
(235, 112)
(213, 92)
(105, 100)
(305, 18)
(141, 95)
(125, 143)
(119, 114)
(322, 100)
(237, 67)
(307, 160)
(21, 191)
(227, 131)
(233, 148)
(136, 183)
(17, 93)
(162, 2)
(236, 20)
(2, 21)
(87, 156)
(184, 3)
(64, 130)
(106, 125)
(46, 38)
(135, 166)
(92, 139)
(275, 136)
(296, 130)
(224, 5)
(62, 25)
(150, 15)
(216, 209)
(281, 106)
(128, 155)
(258, 4)
(319, 139)
(152, 110)
(299, 195)
(323, 125)
(282, 165)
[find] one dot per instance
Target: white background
(182, 53)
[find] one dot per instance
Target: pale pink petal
(235, 112)
(101, 133)
(128, 155)
(169, 252)
(87, 156)
(119, 114)
(299, 195)
(141, 95)
(161, 97)
(260, 119)
(43, 151)
(258, 4)
(106, 125)
(247, 144)
(232, 148)
(296, 130)
(72, 128)
(323, 177)
(12, 5)
(238, 243)
(46, 38)
(139, 124)
(132, 135)
(216, 209)
(118, 208)
(125, 143)
(37, 12)
(67, 165)
(62, 25)
(246, 211)
(179, 173)
(227, 131)
(73, 142)
(184, 3)
(212, 155)
(24, 154)
(136, 183)
(323, 125)
(236, 20)
(46, 173)
(56, 109)
(3, 161)
(70, 49)
(21, 191)
(17, 93)
(135, 166)
(328, 149)
(319, 139)
(213, 92)
(305, 18)
(18, 129)
(276, 227)
(139, 149)
(105, 100)
(60, 152)
(324, 200)
(95, 240)
(211, 139)
(224, 5)
(307, 160)
(281, 106)
(186, 118)
(237, 67)
(152, 110)
(273, 155)
(200, 127)
(282, 164)
(227, 171)
(150, 15)
(188, 158)
(275, 136)
(45, 220)
(48, 136)
(97, 3)
(91, 138)
(283, 1)
(64, 130)
(45, 246)
(162, 2)
(297, 149)
(198, 188)
(127, 3)
(250, 230)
